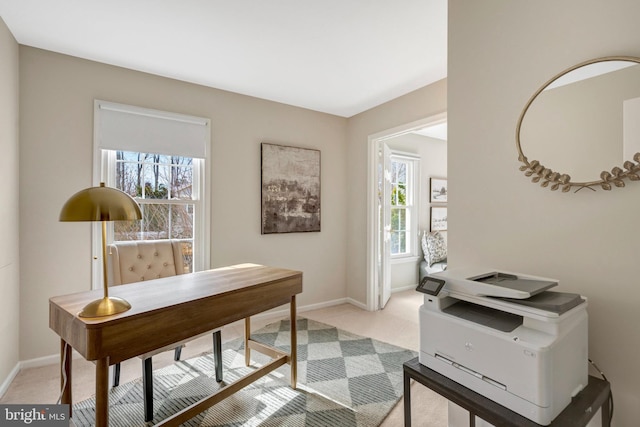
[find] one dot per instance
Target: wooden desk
(578, 414)
(170, 310)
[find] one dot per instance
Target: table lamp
(102, 204)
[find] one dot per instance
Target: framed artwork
(438, 190)
(438, 218)
(290, 189)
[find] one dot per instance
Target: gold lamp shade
(102, 204)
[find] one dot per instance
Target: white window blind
(150, 131)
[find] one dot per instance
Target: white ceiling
(438, 131)
(336, 56)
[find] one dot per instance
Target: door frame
(374, 250)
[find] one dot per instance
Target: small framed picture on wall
(438, 218)
(438, 190)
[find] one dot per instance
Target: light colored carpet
(344, 380)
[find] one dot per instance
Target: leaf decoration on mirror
(554, 180)
(617, 175)
(545, 176)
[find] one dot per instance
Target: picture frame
(438, 190)
(290, 196)
(438, 218)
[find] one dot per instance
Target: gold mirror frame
(558, 180)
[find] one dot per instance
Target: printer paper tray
(538, 414)
(472, 372)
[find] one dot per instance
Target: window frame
(104, 170)
(412, 205)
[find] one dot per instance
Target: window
(163, 187)
(160, 160)
(404, 215)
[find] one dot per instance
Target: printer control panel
(430, 285)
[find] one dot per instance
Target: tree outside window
(163, 187)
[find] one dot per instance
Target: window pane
(182, 221)
(187, 256)
(398, 242)
(402, 220)
(402, 194)
(181, 182)
(402, 172)
(395, 219)
(155, 222)
(128, 156)
(394, 243)
(155, 178)
(403, 243)
(126, 230)
(161, 159)
(126, 178)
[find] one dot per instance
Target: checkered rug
(343, 380)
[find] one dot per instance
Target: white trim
(403, 288)
(285, 312)
(405, 259)
(7, 382)
(372, 213)
(203, 241)
(357, 304)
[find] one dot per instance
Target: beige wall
(9, 259)
(500, 52)
(56, 109)
(419, 104)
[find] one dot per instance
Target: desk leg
(102, 392)
(247, 335)
(407, 400)
(294, 343)
(65, 374)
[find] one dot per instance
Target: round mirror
(582, 127)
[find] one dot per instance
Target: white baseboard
(45, 360)
(403, 288)
(357, 304)
(285, 312)
(7, 382)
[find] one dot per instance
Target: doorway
(378, 224)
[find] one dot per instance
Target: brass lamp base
(105, 307)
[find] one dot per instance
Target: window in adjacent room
(160, 159)
(404, 216)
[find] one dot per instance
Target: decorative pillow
(434, 247)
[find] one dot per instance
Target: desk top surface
(172, 309)
(157, 294)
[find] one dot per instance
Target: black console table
(578, 414)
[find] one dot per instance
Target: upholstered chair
(143, 260)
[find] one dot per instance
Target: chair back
(135, 261)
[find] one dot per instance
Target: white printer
(506, 337)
